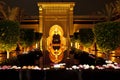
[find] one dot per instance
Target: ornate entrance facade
(56, 44)
(56, 24)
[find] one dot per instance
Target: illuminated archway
(56, 48)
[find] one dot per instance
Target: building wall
(79, 26)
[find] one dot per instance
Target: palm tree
(117, 5)
(108, 12)
(7, 12)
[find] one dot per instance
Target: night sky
(82, 7)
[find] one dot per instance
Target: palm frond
(13, 14)
(8, 12)
(117, 5)
(108, 12)
(2, 11)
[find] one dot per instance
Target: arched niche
(56, 54)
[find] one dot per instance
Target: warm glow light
(8, 55)
(40, 8)
(71, 44)
(36, 45)
(57, 54)
(77, 45)
(113, 58)
(99, 54)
